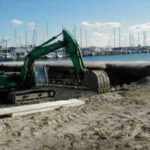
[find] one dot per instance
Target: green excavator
(23, 88)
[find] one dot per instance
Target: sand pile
(115, 120)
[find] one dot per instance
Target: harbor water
(129, 57)
(111, 58)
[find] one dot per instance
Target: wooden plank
(35, 108)
(17, 114)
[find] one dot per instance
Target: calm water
(129, 57)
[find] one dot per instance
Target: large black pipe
(118, 72)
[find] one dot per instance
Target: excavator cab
(41, 77)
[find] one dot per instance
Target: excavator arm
(69, 43)
(26, 77)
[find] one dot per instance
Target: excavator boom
(69, 43)
(26, 79)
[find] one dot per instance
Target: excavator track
(97, 80)
(30, 96)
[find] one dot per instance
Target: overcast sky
(96, 19)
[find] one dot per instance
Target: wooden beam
(36, 108)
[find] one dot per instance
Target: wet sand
(117, 120)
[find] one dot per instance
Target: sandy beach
(116, 120)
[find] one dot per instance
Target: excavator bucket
(97, 80)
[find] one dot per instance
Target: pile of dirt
(115, 120)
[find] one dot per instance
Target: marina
(19, 53)
(74, 75)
